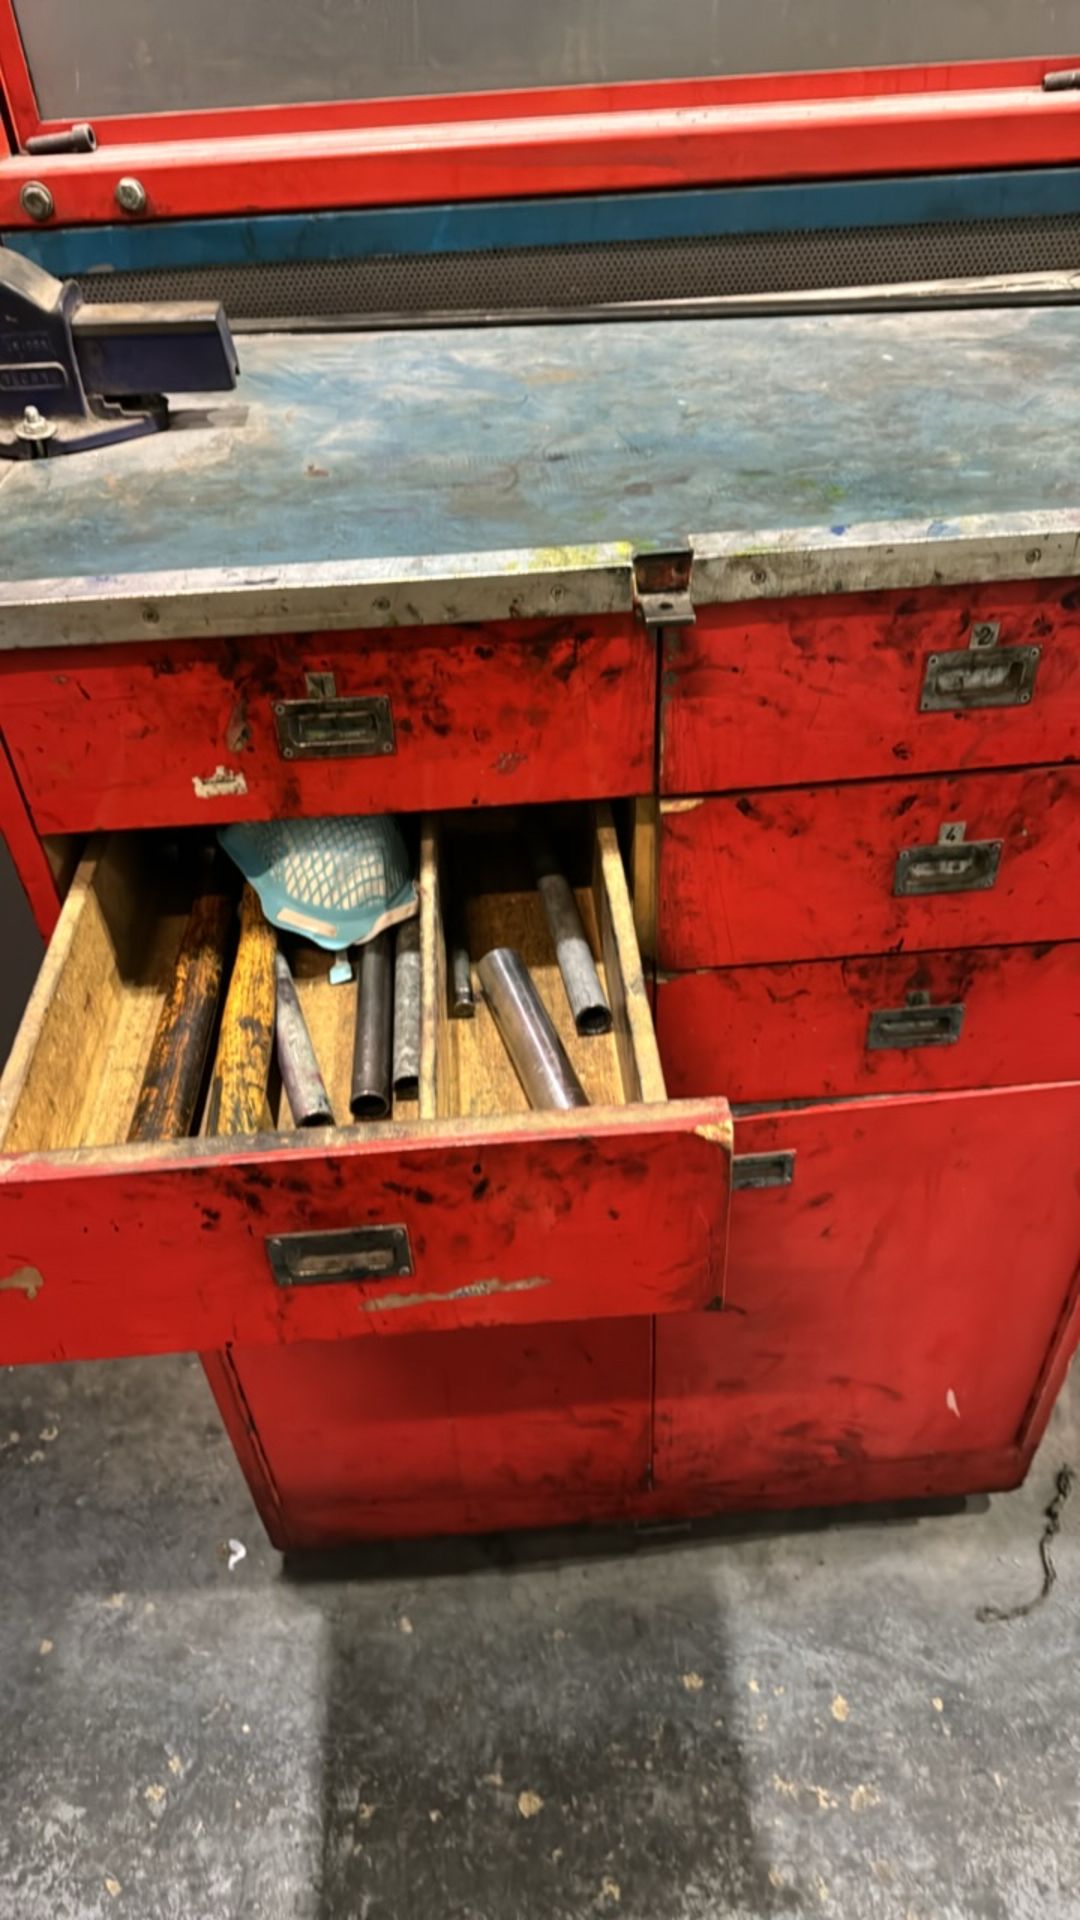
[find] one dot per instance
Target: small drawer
(495, 1214)
(905, 1293)
(807, 873)
(204, 731)
(893, 1023)
(784, 692)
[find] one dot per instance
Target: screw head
(130, 195)
(759, 577)
(36, 200)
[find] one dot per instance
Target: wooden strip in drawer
(891, 1023)
(861, 686)
(804, 873)
(208, 731)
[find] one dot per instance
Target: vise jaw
(74, 375)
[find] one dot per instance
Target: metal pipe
(528, 1032)
(305, 1089)
(181, 1046)
(407, 1010)
(588, 1002)
(462, 998)
(370, 1097)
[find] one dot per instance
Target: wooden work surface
(499, 440)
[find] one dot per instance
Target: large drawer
(892, 1023)
(504, 1215)
(909, 1293)
(778, 693)
(204, 731)
(804, 873)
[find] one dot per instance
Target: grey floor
(802, 1716)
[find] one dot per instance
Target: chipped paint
(24, 1280)
(718, 1133)
(223, 783)
(681, 806)
(476, 1290)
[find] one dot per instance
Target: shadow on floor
(526, 1747)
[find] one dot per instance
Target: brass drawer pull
(998, 677)
(329, 726)
(917, 1025)
(341, 1255)
(756, 1170)
(952, 865)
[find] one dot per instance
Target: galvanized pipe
(305, 1089)
(588, 1002)
(528, 1033)
(370, 1097)
(407, 1010)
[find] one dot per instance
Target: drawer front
(455, 1224)
(901, 1297)
(786, 692)
(812, 872)
(207, 732)
(893, 1023)
(499, 1427)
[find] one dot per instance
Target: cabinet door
(901, 1297)
(495, 1427)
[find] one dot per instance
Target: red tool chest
(817, 1237)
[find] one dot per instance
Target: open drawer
(499, 1214)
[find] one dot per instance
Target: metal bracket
(984, 674)
(918, 1024)
(662, 586)
(755, 1170)
(953, 865)
(339, 1256)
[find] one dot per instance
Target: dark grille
(587, 276)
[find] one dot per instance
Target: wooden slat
(635, 1036)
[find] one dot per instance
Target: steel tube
(406, 1073)
(462, 998)
(305, 1089)
(370, 1096)
(588, 1002)
(528, 1033)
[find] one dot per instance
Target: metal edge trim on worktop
(532, 583)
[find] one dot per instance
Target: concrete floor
(798, 1717)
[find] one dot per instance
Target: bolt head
(130, 195)
(36, 200)
(34, 426)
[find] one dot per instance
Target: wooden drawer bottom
(506, 1215)
(894, 1023)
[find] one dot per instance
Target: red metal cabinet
(909, 1296)
(899, 1023)
(862, 686)
(808, 873)
(208, 731)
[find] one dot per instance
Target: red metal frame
(558, 140)
(28, 856)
